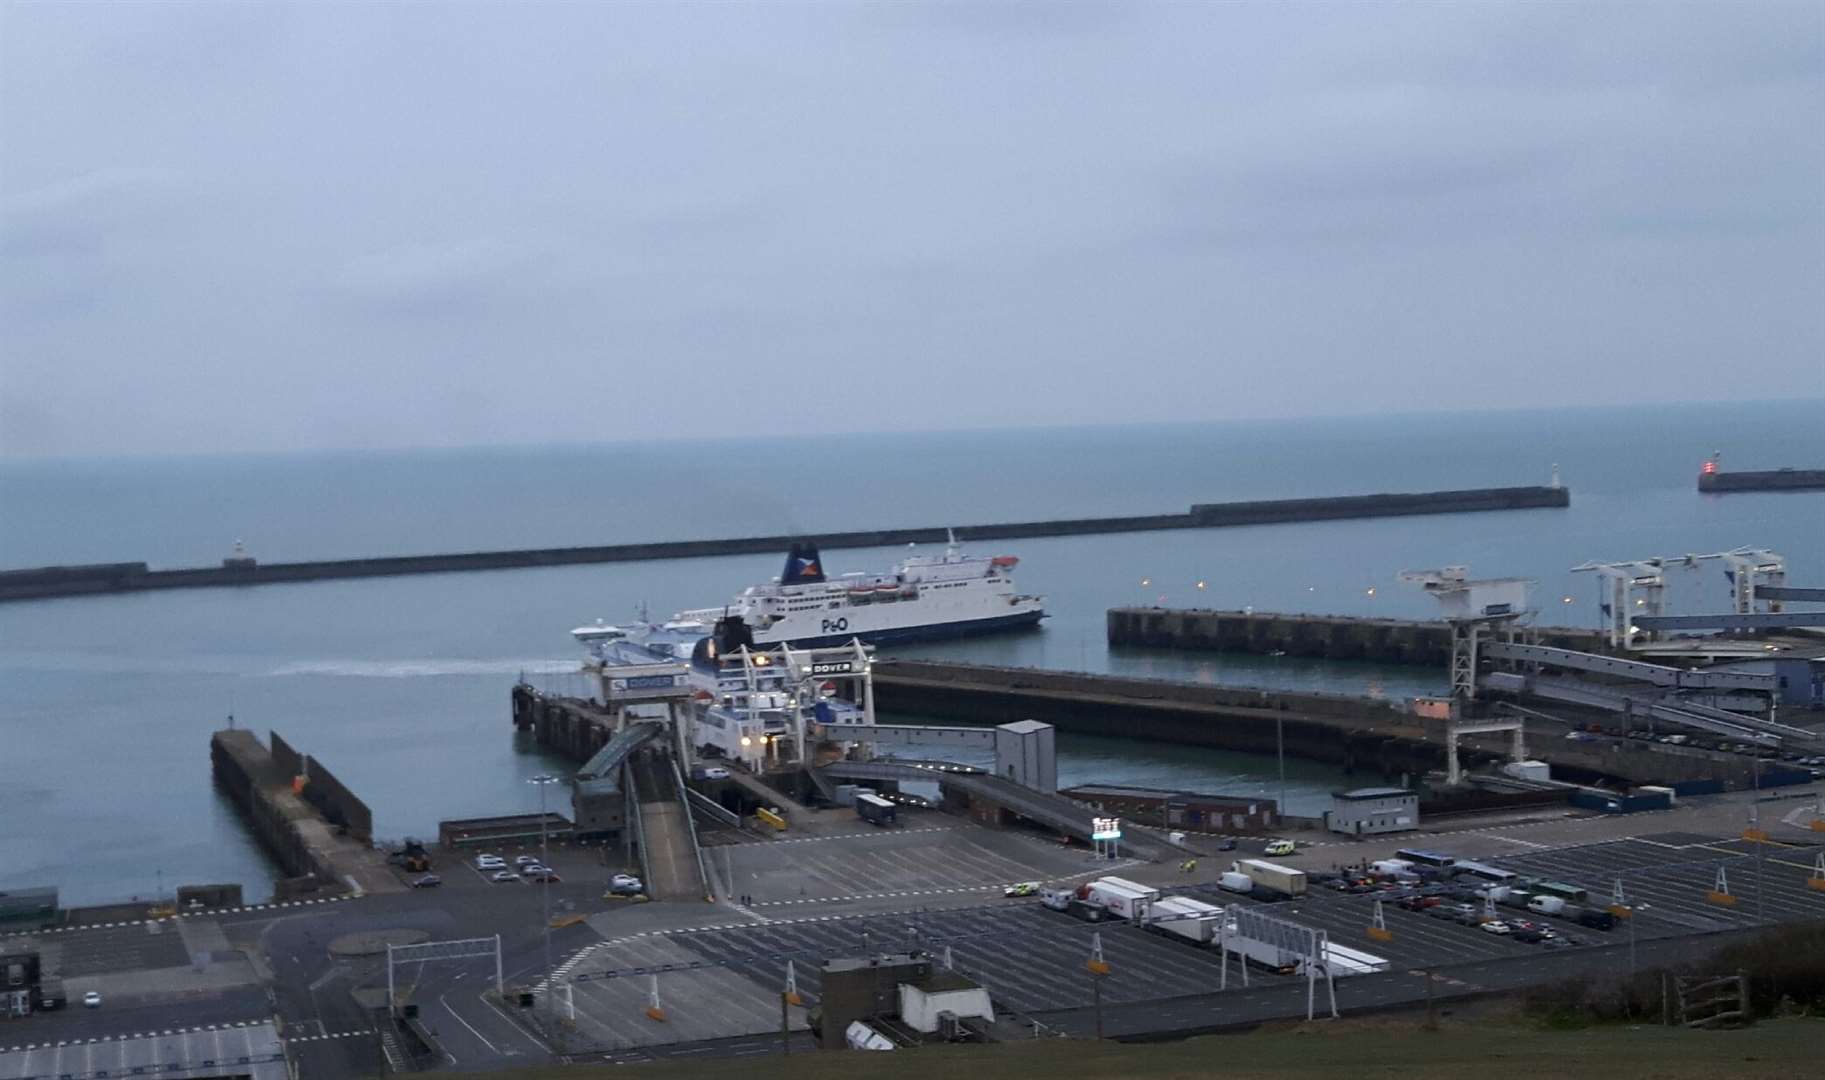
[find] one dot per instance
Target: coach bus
(1493, 875)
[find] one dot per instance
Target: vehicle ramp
(619, 745)
(1578, 692)
(674, 865)
(1066, 816)
(1633, 670)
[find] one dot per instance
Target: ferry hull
(930, 632)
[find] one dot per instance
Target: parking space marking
(867, 833)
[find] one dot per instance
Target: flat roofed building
(1367, 811)
(1179, 809)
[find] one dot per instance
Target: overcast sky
(262, 227)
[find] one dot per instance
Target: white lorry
(1272, 876)
(1342, 961)
(1262, 953)
(1124, 899)
(1181, 916)
(1069, 902)
(860, 1036)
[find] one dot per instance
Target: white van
(1546, 905)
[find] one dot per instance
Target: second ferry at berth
(923, 598)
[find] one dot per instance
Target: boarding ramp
(1633, 670)
(1780, 620)
(624, 742)
(928, 735)
(674, 864)
(1577, 692)
(712, 809)
(1796, 593)
(690, 827)
(1066, 816)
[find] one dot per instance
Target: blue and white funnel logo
(803, 567)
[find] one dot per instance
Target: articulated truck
(1122, 898)
(1181, 916)
(1271, 877)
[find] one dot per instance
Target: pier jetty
(241, 570)
(316, 829)
(1770, 480)
(1325, 637)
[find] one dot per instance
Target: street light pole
(1755, 824)
(1280, 752)
(545, 780)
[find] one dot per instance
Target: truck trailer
(1067, 901)
(874, 809)
(1181, 916)
(1272, 877)
(1342, 961)
(1262, 953)
(1123, 899)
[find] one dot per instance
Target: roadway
(671, 857)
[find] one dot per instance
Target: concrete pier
(566, 725)
(324, 855)
(240, 570)
(1327, 637)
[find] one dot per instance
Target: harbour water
(400, 684)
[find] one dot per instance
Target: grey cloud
(436, 278)
(78, 214)
(232, 226)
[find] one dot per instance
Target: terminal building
(1368, 811)
(1180, 809)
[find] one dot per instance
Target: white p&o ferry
(922, 598)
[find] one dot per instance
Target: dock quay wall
(336, 803)
(320, 858)
(55, 581)
(1771, 480)
(569, 726)
(1356, 733)
(1340, 729)
(1329, 637)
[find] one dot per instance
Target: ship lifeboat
(885, 593)
(1005, 562)
(861, 595)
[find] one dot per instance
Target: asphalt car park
(139, 946)
(457, 871)
(918, 862)
(1667, 878)
(251, 1050)
(1033, 960)
(1418, 940)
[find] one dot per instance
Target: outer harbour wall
(1772, 480)
(55, 581)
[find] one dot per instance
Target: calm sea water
(400, 685)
